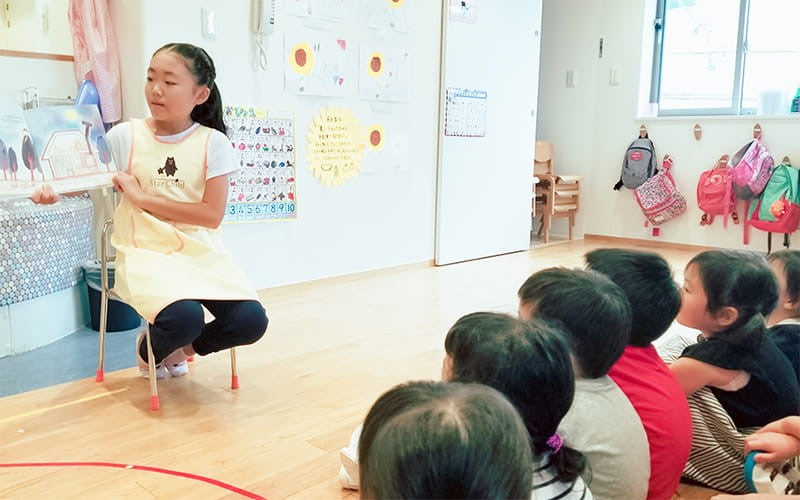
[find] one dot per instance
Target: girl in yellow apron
(170, 258)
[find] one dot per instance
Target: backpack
(638, 165)
(715, 195)
(659, 198)
(751, 169)
(777, 208)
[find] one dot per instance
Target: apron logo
(169, 167)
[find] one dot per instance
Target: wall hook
(757, 131)
(698, 132)
(642, 130)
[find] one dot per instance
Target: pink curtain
(96, 53)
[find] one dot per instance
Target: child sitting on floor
(646, 279)
(784, 322)
(602, 423)
(444, 440)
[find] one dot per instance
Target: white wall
(373, 221)
(592, 123)
(53, 79)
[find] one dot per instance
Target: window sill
(707, 118)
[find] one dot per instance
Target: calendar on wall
(465, 112)
(264, 186)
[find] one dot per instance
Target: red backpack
(715, 195)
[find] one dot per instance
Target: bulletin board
(489, 86)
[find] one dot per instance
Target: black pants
(236, 322)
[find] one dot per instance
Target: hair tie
(555, 442)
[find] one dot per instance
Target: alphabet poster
(63, 146)
(264, 186)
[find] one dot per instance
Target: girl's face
(694, 304)
(171, 90)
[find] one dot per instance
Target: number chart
(264, 186)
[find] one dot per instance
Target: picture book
(63, 146)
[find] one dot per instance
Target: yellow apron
(160, 261)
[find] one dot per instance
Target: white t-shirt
(602, 424)
(221, 159)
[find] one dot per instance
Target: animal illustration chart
(63, 146)
(264, 186)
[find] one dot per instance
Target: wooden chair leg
(571, 224)
(546, 221)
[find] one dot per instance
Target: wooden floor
(331, 348)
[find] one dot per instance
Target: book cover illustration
(63, 146)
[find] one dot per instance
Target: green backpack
(777, 208)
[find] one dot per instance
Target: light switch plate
(207, 23)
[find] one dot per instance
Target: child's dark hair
(444, 440)
(594, 310)
(529, 362)
(790, 260)
(744, 281)
(647, 281)
(200, 64)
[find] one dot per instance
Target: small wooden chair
(105, 293)
(554, 195)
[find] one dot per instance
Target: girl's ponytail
(209, 113)
(568, 464)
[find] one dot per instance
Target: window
(720, 57)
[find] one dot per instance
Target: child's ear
(447, 368)
(793, 306)
(202, 95)
(726, 316)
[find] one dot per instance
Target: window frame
(736, 109)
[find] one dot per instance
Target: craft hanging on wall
(335, 146)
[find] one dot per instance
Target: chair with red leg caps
(107, 292)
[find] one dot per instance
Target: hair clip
(555, 442)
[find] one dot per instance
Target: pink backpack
(659, 198)
(715, 195)
(751, 169)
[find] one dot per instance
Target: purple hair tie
(555, 442)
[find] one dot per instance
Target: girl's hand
(786, 425)
(129, 186)
(773, 445)
(44, 195)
